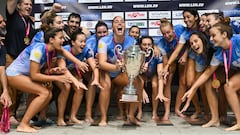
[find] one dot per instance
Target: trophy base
(129, 98)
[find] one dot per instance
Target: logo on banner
(140, 24)
(43, 1)
(154, 23)
(136, 15)
(111, 15)
(92, 16)
(159, 14)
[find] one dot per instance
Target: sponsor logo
(43, 1)
(159, 14)
(111, 15)
(200, 12)
(200, 4)
(37, 16)
(88, 1)
(112, 0)
(66, 1)
(101, 7)
(64, 15)
(154, 23)
(92, 16)
(140, 24)
(233, 2)
(145, 5)
(177, 14)
(232, 13)
(89, 24)
(135, 15)
(154, 32)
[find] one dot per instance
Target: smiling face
(101, 31)
(79, 44)
(211, 20)
(57, 23)
(25, 7)
(57, 41)
(73, 24)
(216, 36)
(168, 33)
(196, 44)
(118, 26)
(190, 20)
(203, 23)
(134, 32)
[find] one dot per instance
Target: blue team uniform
(21, 65)
(106, 45)
(152, 66)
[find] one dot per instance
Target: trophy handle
(149, 54)
(117, 51)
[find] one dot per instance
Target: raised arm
(11, 6)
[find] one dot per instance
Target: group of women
(196, 50)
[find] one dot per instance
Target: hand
(157, 52)
(58, 70)
(189, 95)
(64, 79)
(79, 85)
(145, 97)
(162, 98)
(119, 65)
(96, 83)
(6, 99)
(144, 67)
(83, 66)
(182, 60)
(57, 7)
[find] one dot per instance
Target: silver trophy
(133, 59)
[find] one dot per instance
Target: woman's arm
(5, 98)
(92, 63)
(104, 65)
(202, 79)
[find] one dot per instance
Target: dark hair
(143, 37)
(134, 26)
(194, 12)
(223, 27)
(74, 15)
(51, 33)
(75, 34)
(99, 24)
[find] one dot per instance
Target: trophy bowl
(133, 59)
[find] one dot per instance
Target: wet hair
(134, 26)
(164, 22)
(194, 12)
(48, 19)
(21, 1)
(74, 15)
(223, 27)
(205, 14)
(51, 33)
(144, 37)
(99, 24)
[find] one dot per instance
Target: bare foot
(194, 115)
(102, 123)
(74, 120)
(179, 114)
(89, 120)
(212, 123)
(165, 118)
(233, 128)
(155, 117)
(13, 121)
(26, 128)
(120, 117)
(61, 123)
(133, 120)
(139, 116)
